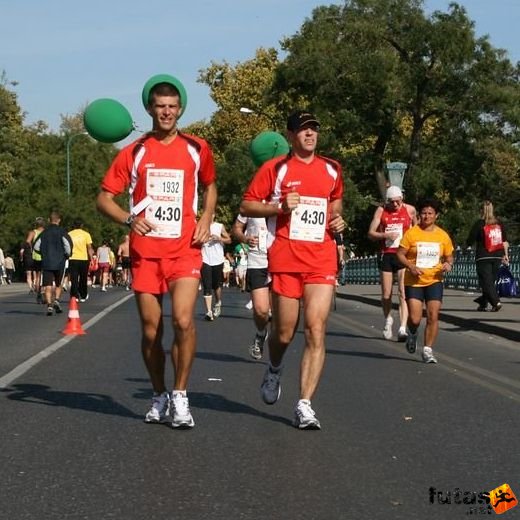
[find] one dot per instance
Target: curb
(463, 323)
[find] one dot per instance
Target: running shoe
(57, 307)
(217, 309)
(159, 410)
(209, 316)
(411, 342)
(271, 387)
(427, 355)
(305, 416)
(496, 307)
(387, 331)
(50, 310)
(39, 298)
(182, 417)
(402, 335)
(103, 289)
(256, 350)
(83, 300)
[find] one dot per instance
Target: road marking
(22, 368)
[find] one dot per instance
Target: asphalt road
(74, 444)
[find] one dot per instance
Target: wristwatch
(129, 220)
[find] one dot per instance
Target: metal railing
(365, 270)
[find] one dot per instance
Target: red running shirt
(170, 174)
(398, 221)
(303, 241)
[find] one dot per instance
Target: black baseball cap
(301, 118)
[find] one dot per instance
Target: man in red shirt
(388, 225)
(301, 195)
(161, 171)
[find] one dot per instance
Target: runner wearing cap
(301, 195)
(388, 225)
(161, 172)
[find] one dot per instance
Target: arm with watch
(108, 206)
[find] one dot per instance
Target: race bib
(395, 227)
(308, 220)
(165, 187)
(428, 254)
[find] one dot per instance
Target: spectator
(492, 249)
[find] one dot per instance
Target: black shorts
(50, 277)
(426, 293)
(212, 278)
(389, 263)
(37, 265)
(257, 279)
(28, 264)
(126, 262)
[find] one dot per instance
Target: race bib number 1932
(165, 187)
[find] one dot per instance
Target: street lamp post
(246, 110)
(69, 141)
(396, 171)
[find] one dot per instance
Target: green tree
(398, 85)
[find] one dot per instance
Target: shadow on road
(222, 404)
(372, 355)
(42, 394)
(217, 402)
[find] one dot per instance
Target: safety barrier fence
(365, 270)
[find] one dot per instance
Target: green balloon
(107, 120)
(165, 78)
(267, 145)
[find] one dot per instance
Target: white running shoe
(217, 309)
(209, 316)
(249, 305)
(182, 417)
(427, 355)
(256, 350)
(159, 410)
(271, 387)
(387, 331)
(305, 416)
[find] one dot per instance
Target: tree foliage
(388, 83)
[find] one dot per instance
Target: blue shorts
(425, 293)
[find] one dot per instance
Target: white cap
(394, 192)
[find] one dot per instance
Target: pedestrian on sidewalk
(10, 269)
(301, 195)
(426, 250)
(163, 171)
(492, 249)
(389, 224)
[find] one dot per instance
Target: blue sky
(65, 54)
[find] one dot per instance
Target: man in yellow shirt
(82, 252)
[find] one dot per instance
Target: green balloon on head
(107, 120)
(165, 78)
(267, 145)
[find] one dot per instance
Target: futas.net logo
(498, 500)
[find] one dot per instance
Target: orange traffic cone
(74, 324)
